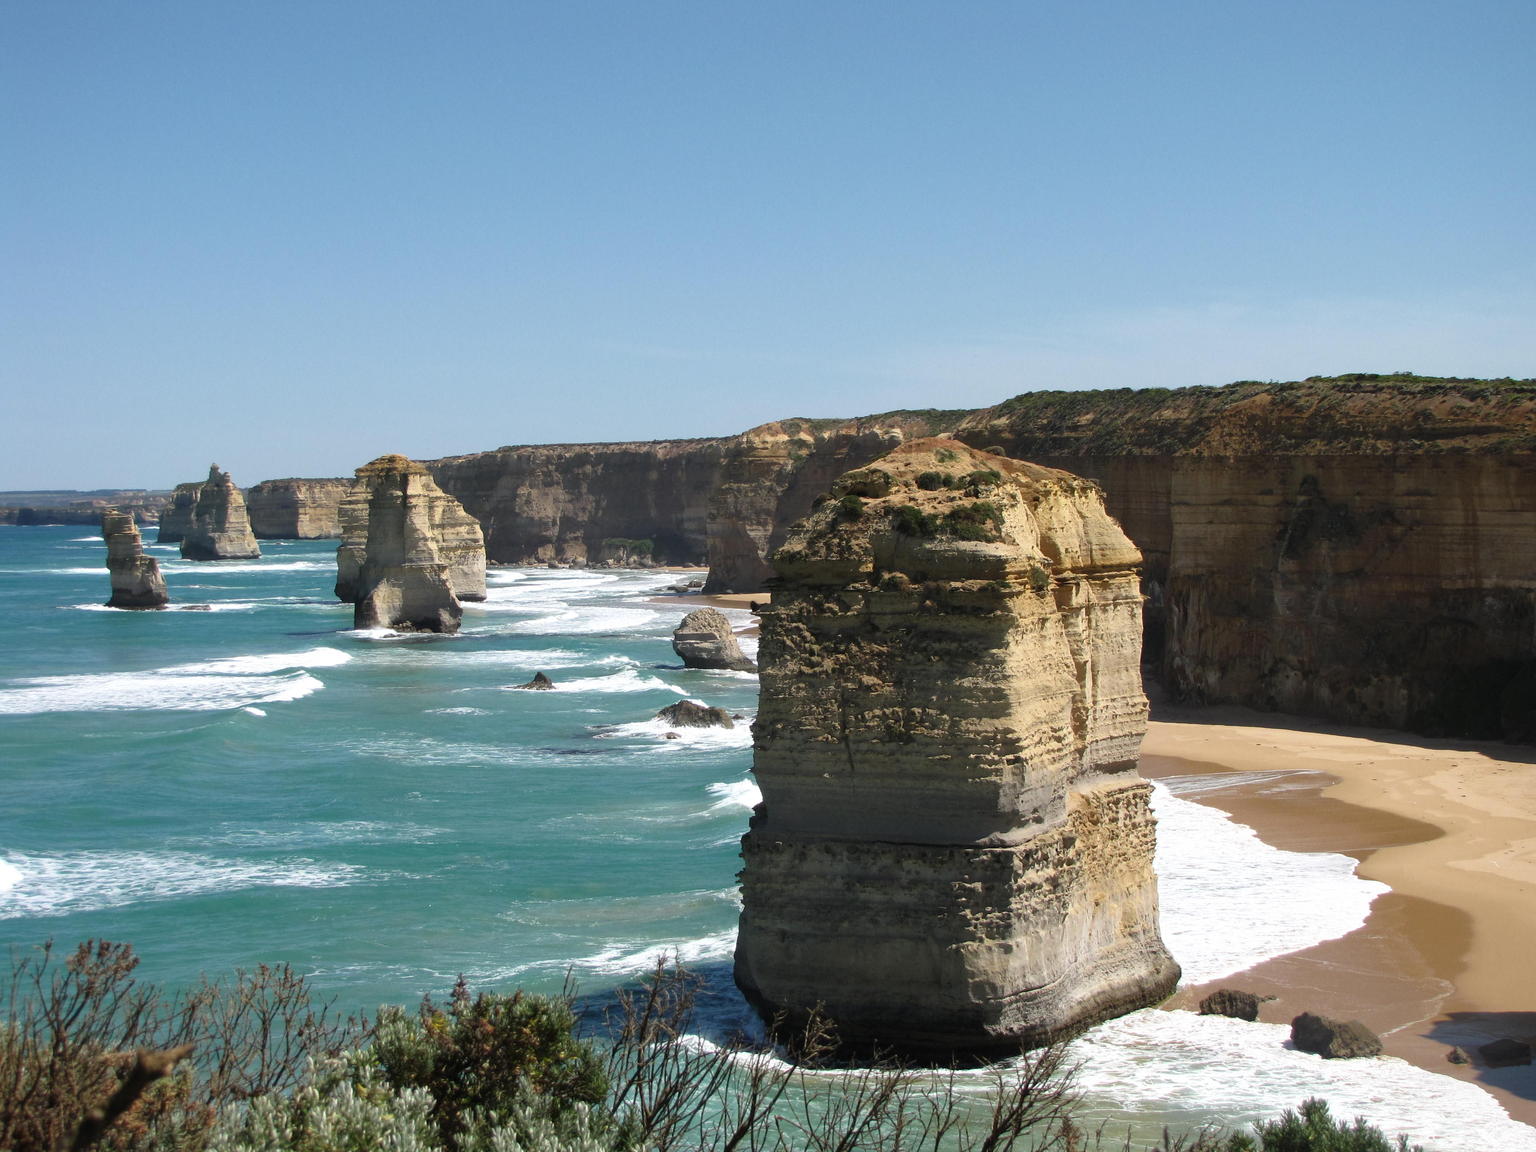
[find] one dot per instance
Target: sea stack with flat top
(396, 563)
(456, 536)
(136, 579)
(218, 528)
(954, 849)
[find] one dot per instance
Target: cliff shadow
(1469, 1031)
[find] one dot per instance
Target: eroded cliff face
(1355, 548)
(176, 516)
(954, 850)
(295, 509)
(399, 563)
(409, 554)
(218, 528)
(136, 579)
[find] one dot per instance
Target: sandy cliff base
(1445, 958)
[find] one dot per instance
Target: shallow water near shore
(255, 782)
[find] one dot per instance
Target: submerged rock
(954, 849)
(136, 579)
(455, 535)
(539, 683)
(704, 640)
(687, 714)
(1333, 1039)
(219, 528)
(390, 553)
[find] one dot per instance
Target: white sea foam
(1181, 1062)
(219, 567)
(654, 733)
(625, 680)
(69, 882)
(211, 685)
(315, 834)
(254, 711)
(628, 958)
(1230, 901)
(457, 712)
(586, 621)
(731, 794)
(9, 875)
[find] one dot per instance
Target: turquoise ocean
(244, 779)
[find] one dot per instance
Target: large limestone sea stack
(211, 520)
(409, 552)
(136, 579)
(954, 850)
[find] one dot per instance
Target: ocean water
(244, 779)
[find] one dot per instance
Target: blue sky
(292, 236)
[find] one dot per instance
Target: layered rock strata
(219, 528)
(954, 850)
(704, 640)
(296, 509)
(176, 516)
(136, 579)
(406, 550)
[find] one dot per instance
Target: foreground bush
(90, 1057)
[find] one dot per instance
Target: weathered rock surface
(1231, 1002)
(454, 535)
(219, 528)
(296, 509)
(399, 575)
(136, 579)
(704, 640)
(954, 850)
(687, 714)
(539, 683)
(1333, 1039)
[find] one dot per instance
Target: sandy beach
(1450, 825)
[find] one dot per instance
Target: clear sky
(291, 236)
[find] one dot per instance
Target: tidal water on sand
(244, 779)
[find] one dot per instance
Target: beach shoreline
(1449, 825)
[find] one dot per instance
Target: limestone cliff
(136, 579)
(219, 528)
(1359, 548)
(295, 509)
(176, 516)
(409, 553)
(954, 850)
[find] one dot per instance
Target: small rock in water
(1505, 1053)
(1231, 1002)
(1333, 1039)
(672, 736)
(704, 640)
(687, 714)
(1457, 1056)
(539, 683)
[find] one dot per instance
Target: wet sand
(1444, 958)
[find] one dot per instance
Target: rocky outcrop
(296, 509)
(136, 579)
(704, 640)
(954, 850)
(456, 540)
(219, 528)
(539, 683)
(687, 714)
(1233, 1002)
(1333, 1039)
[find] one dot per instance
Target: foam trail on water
(68, 882)
(161, 691)
(654, 732)
(628, 680)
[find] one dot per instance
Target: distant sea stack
(954, 849)
(296, 509)
(407, 550)
(176, 516)
(220, 528)
(136, 579)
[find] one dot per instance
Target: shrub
(911, 521)
(933, 481)
(982, 520)
(1313, 1129)
(850, 506)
